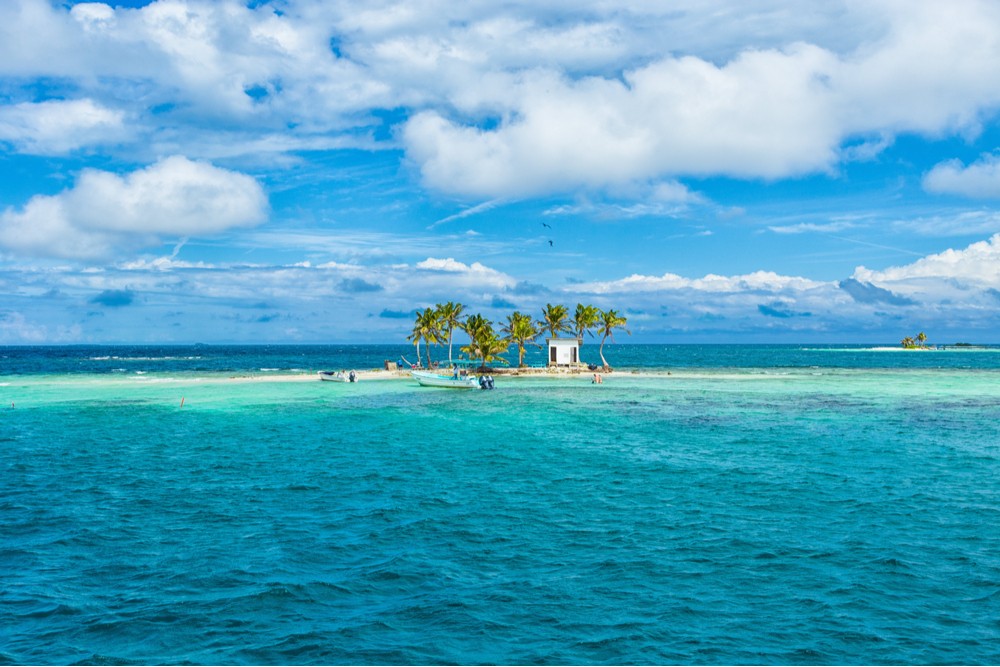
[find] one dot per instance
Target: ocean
(704, 505)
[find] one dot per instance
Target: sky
(314, 171)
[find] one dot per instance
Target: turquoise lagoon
(705, 505)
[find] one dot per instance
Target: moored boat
(337, 376)
(427, 379)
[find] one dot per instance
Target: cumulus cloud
(518, 98)
(766, 113)
(475, 272)
(977, 265)
(980, 179)
(105, 213)
(59, 126)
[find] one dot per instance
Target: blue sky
(185, 171)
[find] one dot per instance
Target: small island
(918, 343)
(437, 324)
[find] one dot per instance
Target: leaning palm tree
(521, 330)
(609, 321)
(448, 316)
(416, 336)
(554, 319)
(426, 328)
(584, 319)
(907, 342)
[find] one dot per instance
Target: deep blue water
(298, 358)
(787, 505)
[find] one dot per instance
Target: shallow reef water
(790, 505)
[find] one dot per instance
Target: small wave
(112, 357)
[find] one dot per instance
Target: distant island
(918, 343)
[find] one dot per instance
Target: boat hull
(330, 376)
(434, 380)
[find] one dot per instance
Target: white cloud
(543, 98)
(94, 16)
(55, 127)
(809, 227)
(474, 274)
(105, 213)
(954, 291)
(767, 113)
(980, 179)
(977, 265)
(759, 281)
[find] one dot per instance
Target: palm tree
(608, 322)
(448, 316)
(520, 329)
(491, 346)
(475, 325)
(426, 328)
(416, 336)
(584, 319)
(922, 339)
(483, 340)
(907, 342)
(554, 319)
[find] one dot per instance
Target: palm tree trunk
(418, 351)
(451, 333)
(520, 355)
(603, 360)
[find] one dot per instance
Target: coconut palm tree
(554, 319)
(907, 342)
(608, 322)
(521, 330)
(416, 336)
(584, 319)
(491, 346)
(426, 327)
(475, 325)
(483, 340)
(922, 339)
(448, 317)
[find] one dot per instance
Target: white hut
(564, 351)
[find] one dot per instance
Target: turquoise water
(757, 505)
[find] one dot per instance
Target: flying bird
(550, 242)
(545, 225)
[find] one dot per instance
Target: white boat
(338, 376)
(427, 379)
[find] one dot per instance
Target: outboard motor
(352, 377)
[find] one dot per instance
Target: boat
(337, 376)
(428, 379)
